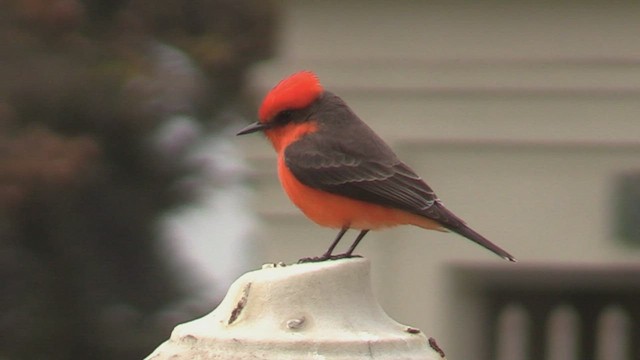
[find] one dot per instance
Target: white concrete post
(320, 310)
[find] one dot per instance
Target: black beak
(256, 126)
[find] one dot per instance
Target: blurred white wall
(520, 114)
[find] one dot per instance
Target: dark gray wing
(377, 177)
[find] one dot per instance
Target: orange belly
(337, 211)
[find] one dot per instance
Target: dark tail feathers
(470, 234)
(450, 221)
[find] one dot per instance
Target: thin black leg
(356, 242)
(327, 254)
(335, 242)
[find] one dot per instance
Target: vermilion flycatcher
(340, 173)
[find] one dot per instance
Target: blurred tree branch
(85, 85)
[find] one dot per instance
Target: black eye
(284, 116)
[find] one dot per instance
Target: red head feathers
(295, 92)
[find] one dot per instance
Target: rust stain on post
(235, 313)
(434, 346)
(412, 330)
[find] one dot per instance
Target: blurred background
(122, 205)
(128, 206)
(524, 116)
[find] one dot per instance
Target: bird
(340, 173)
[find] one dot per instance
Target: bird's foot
(314, 259)
(326, 257)
(344, 256)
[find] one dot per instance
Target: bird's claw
(326, 257)
(312, 259)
